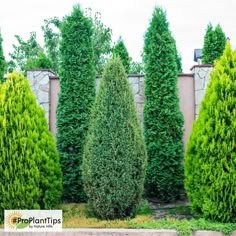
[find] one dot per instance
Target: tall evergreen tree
(163, 121)
(2, 61)
(214, 44)
(77, 94)
(30, 170)
(210, 161)
(121, 51)
(115, 153)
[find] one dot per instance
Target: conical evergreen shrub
(29, 164)
(77, 95)
(114, 156)
(210, 161)
(163, 120)
(121, 51)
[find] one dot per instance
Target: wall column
(39, 83)
(201, 75)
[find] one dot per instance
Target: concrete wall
(191, 87)
(39, 83)
(186, 94)
(201, 75)
(54, 89)
(187, 102)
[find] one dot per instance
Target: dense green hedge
(29, 163)
(115, 154)
(210, 162)
(77, 94)
(163, 121)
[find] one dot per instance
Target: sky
(129, 19)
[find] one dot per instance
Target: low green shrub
(187, 227)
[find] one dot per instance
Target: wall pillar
(39, 83)
(201, 75)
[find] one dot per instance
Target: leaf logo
(22, 225)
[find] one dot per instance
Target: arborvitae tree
(115, 154)
(30, 170)
(77, 94)
(121, 51)
(210, 161)
(214, 44)
(2, 61)
(163, 121)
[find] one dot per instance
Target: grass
(186, 227)
(78, 216)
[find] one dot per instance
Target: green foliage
(101, 41)
(144, 208)
(2, 61)
(115, 154)
(163, 120)
(52, 38)
(136, 68)
(210, 161)
(119, 50)
(179, 63)
(214, 44)
(27, 55)
(41, 62)
(30, 177)
(77, 94)
(187, 227)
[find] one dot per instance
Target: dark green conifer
(115, 154)
(77, 94)
(121, 51)
(163, 121)
(214, 44)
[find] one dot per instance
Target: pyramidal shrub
(120, 50)
(29, 164)
(115, 155)
(210, 161)
(163, 120)
(76, 97)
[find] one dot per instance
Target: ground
(178, 210)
